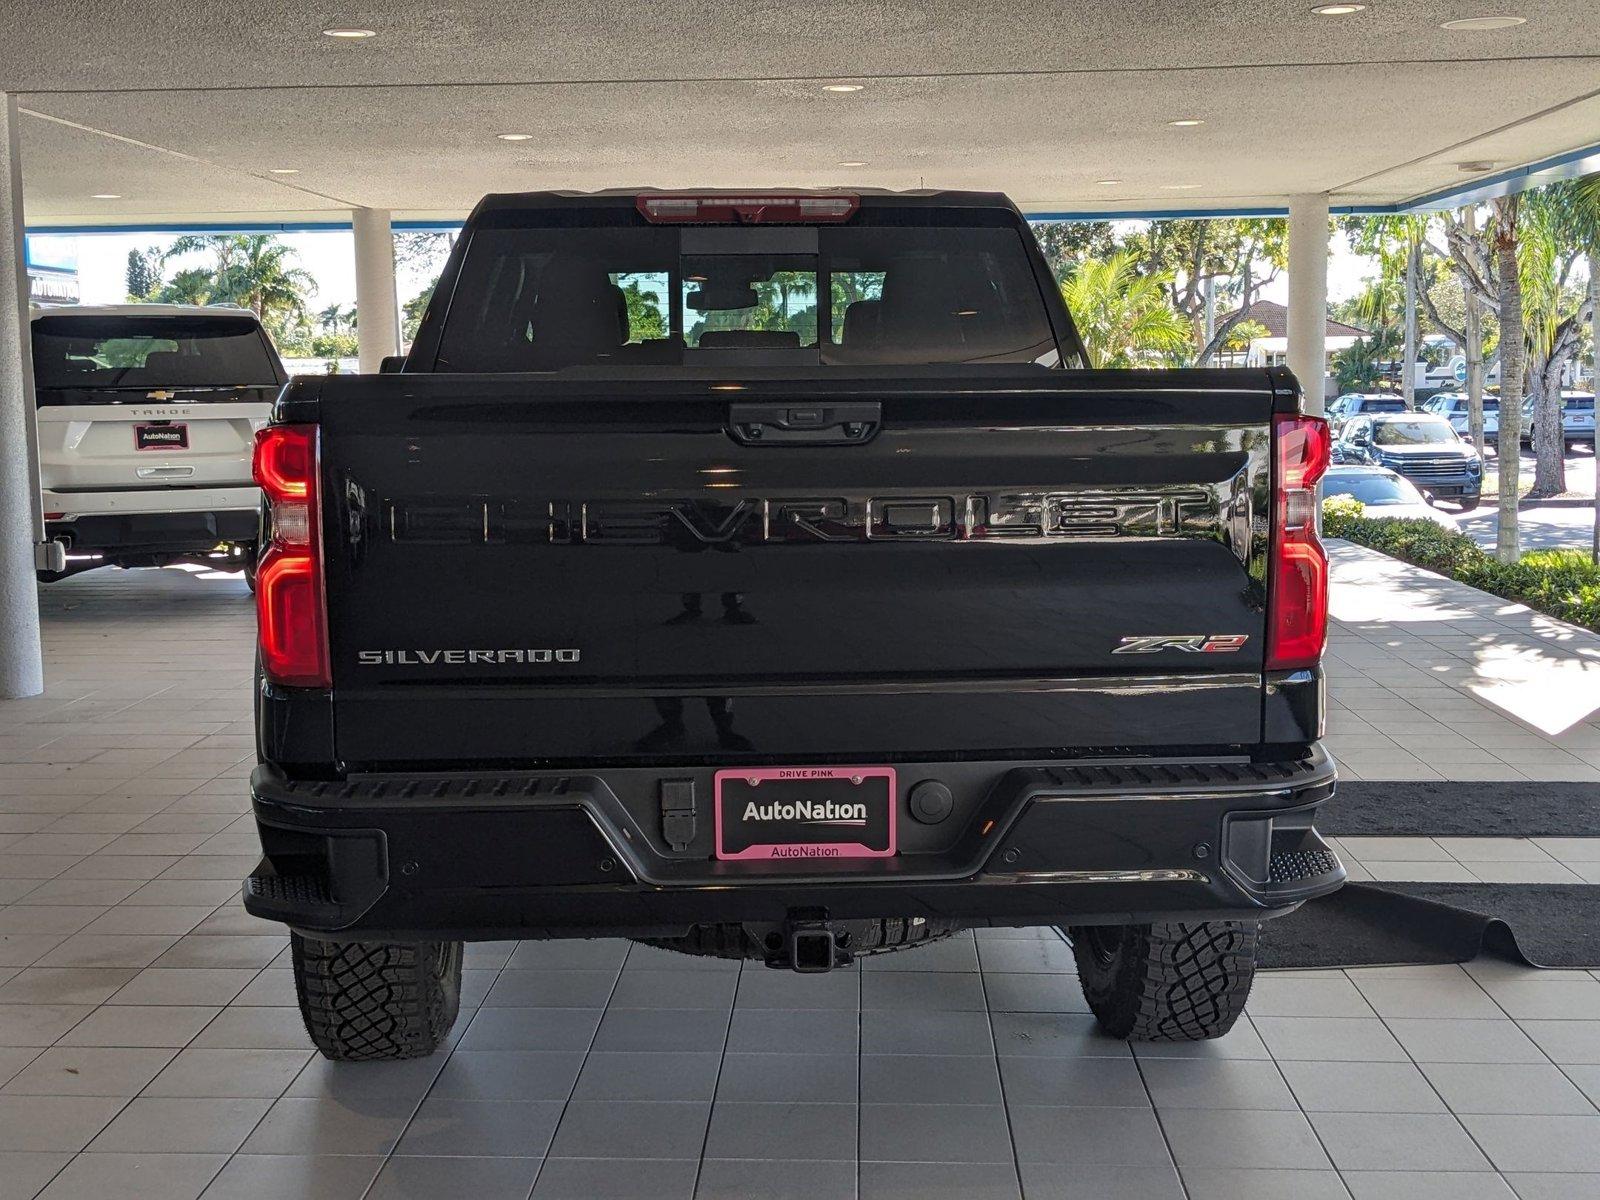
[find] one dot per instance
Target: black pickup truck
(764, 575)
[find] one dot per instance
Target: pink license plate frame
(786, 851)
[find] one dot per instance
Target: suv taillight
(291, 608)
(1297, 587)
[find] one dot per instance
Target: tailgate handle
(804, 424)
(163, 472)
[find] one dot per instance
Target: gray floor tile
(48, 1123)
(294, 1177)
(1051, 956)
(926, 1032)
(1224, 1183)
(1524, 1089)
(309, 1125)
(945, 1181)
(551, 989)
(782, 1131)
(1105, 1137)
(208, 986)
(1434, 1185)
(24, 1174)
(478, 1128)
(609, 1076)
(134, 1177)
(1568, 1043)
(615, 1179)
(784, 989)
(255, 1029)
(1539, 1143)
(664, 1028)
(920, 1078)
(655, 1129)
(1459, 996)
(813, 1030)
(133, 1025)
(38, 1024)
(804, 1180)
(1017, 991)
(1243, 1139)
(508, 1075)
(1073, 1082)
(961, 1133)
(88, 1071)
(1329, 1039)
(656, 990)
(432, 1178)
(1242, 1041)
(1554, 1186)
(802, 1078)
(570, 954)
(531, 1029)
(244, 1073)
(1215, 1083)
(64, 985)
(1306, 994)
(1361, 1087)
(901, 991)
(1397, 1142)
(1055, 1035)
(1465, 1041)
(399, 1083)
(158, 1125)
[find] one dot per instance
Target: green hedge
(1562, 583)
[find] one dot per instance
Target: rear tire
(376, 1000)
(1167, 982)
(1470, 503)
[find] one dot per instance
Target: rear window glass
(150, 352)
(540, 298)
(1383, 404)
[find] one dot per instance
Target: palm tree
(1576, 207)
(194, 286)
(1507, 209)
(1398, 242)
(259, 277)
(1123, 313)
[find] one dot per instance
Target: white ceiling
(183, 109)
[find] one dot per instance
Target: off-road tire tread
(376, 1000)
(883, 937)
(1170, 982)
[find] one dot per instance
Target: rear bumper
(169, 520)
(545, 854)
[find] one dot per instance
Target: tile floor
(149, 1048)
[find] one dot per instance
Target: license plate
(160, 437)
(816, 813)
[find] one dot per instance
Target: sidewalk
(1431, 679)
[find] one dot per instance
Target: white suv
(147, 419)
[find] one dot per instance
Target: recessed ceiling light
(851, 162)
(1107, 182)
(1186, 122)
(842, 87)
(106, 196)
(283, 170)
(1338, 10)
(1475, 168)
(1178, 187)
(515, 137)
(1483, 24)
(346, 32)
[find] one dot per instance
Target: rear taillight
(291, 608)
(754, 209)
(1297, 586)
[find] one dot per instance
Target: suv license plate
(778, 813)
(160, 437)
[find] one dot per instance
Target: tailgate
(88, 444)
(523, 572)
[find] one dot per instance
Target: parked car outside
(1423, 447)
(1352, 403)
(1577, 418)
(1452, 406)
(147, 420)
(1383, 493)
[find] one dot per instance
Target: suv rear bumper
(546, 854)
(159, 521)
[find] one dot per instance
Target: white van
(147, 419)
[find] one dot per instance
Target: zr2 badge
(1189, 643)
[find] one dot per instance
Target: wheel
(251, 555)
(1468, 503)
(374, 1000)
(1178, 982)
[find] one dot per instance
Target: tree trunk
(1474, 347)
(1511, 367)
(1549, 451)
(1408, 384)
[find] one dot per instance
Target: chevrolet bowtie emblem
(161, 395)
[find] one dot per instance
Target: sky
(329, 257)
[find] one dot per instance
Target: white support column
(21, 518)
(377, 311)
(1308, 295)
